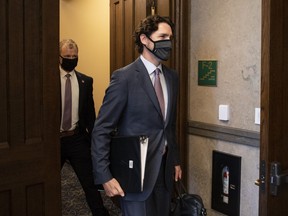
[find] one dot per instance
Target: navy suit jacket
(130, 105)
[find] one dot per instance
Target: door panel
(274, 102)
(29, 108)
(116, 32)
(121, 31)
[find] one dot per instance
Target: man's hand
(113, 188)
(178, 173)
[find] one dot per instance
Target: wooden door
(274, 106)
(29, 108)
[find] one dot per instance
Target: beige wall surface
(87, 22)
(228, 31)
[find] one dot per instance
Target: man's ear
(143, 39)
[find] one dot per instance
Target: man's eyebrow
(165, 34)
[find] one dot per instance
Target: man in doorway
(77, 120)
(141, 100)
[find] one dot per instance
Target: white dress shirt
(75, 96)
(151, 68)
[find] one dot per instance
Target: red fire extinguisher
(225, 184)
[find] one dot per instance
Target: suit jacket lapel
(146, 83)
(81, 82)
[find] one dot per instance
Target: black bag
(186, 204)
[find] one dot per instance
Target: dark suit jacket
(86, 109)
(131, 106)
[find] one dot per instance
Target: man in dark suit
(131, 107)
(77, 120)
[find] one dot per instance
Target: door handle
(259, 182)
(277, 177)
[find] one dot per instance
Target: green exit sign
(207, 73)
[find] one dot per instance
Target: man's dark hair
(147, 26)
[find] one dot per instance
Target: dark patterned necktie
(159, 91)
(66, 125)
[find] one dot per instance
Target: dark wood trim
(180, 13)
(233, 135)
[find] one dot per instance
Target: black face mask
(69, 64)
(162, 49)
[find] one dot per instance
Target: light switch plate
(223, 112)
(257, 116)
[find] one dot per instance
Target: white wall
(228, 31)
(87, 22)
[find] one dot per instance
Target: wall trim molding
(234, 135)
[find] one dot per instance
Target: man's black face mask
(162, 49)
(69, 64)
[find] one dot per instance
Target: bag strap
(180, 188)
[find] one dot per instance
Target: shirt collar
(63, 72)
(149, 66)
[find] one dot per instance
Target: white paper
(143, 148)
